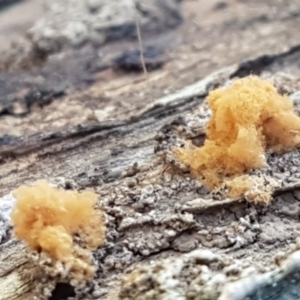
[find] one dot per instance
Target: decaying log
(154, 211)
(112, 148)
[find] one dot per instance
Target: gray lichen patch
(200, 274)
(203, 274)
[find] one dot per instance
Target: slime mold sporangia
(52, 221)
(248, 118)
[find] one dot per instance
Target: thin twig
(139, 36)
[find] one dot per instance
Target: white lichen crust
(204, 275)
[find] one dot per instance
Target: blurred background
(64, 63)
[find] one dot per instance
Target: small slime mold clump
(247, 118)
(50, 220)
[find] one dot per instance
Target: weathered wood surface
(97, 155)
(83, 153)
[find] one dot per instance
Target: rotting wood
(53, 143)
(137, 133)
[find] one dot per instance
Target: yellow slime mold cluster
(48, 220)
(247, 117)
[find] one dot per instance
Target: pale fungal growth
(248, 117)
(203, 274)
(6, 204)
(62, 227)
(167, 279)
(253, 188)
